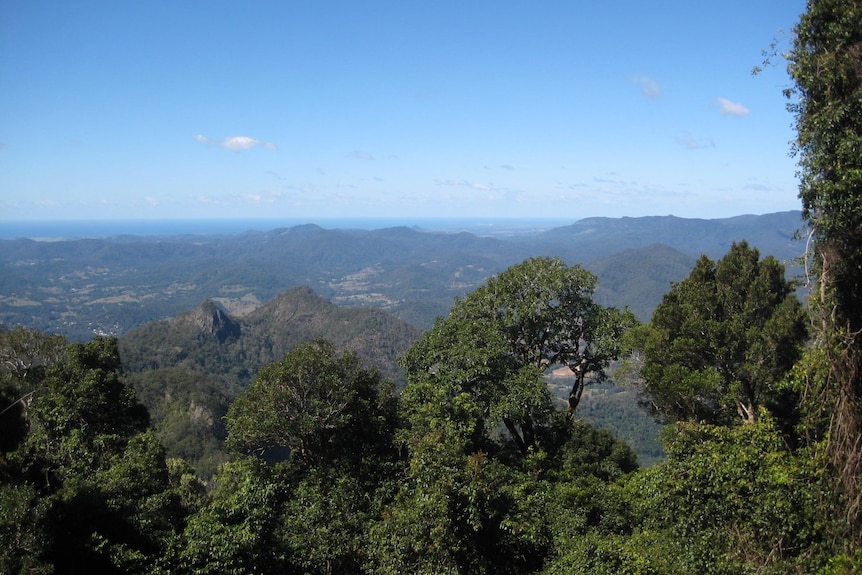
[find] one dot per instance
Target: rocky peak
(209, 319)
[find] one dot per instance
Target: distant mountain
(773, 234)
(187, 369)
(232, 350)
(113, 285)
(639, 277)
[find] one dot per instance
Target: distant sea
(54, 230)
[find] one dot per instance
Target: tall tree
(729, 500)
(722, 339)
(826, 66)
(482, 430)
(86, 406)
(496, 344)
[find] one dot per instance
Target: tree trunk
(575, 395)
(748, 412)
(516, 437)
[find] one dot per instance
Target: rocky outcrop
(209, 319)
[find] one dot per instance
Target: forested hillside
(187, 369)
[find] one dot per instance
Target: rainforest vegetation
(325, 463)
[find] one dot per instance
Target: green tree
(722, 339)
(731, 499)
(489, 355)
(320, 405)
(454, 514)
(25, 355)
(119, 518)
(482, 432)
(335, 420)
(826, 65)
(24, 539)
(84, 414)
(237, 531)
(90, 482)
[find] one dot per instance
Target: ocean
(53, 230)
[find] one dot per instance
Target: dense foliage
(722, 339)
(826, 65)
(86, 483)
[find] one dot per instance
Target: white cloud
(729, 108)
(361, 155)
(235, 143)
(649, 87)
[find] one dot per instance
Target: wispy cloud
(360, 155)
(235, 143)
(260, 198)
(465, 183)
(694, 143)
(649, 88)
(729, 108)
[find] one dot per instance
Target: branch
(17, 401)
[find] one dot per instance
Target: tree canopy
(318, 404)
(722, 339)
(488, 356)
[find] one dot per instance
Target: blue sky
(302, 108)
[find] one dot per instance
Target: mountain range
(116, 284)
